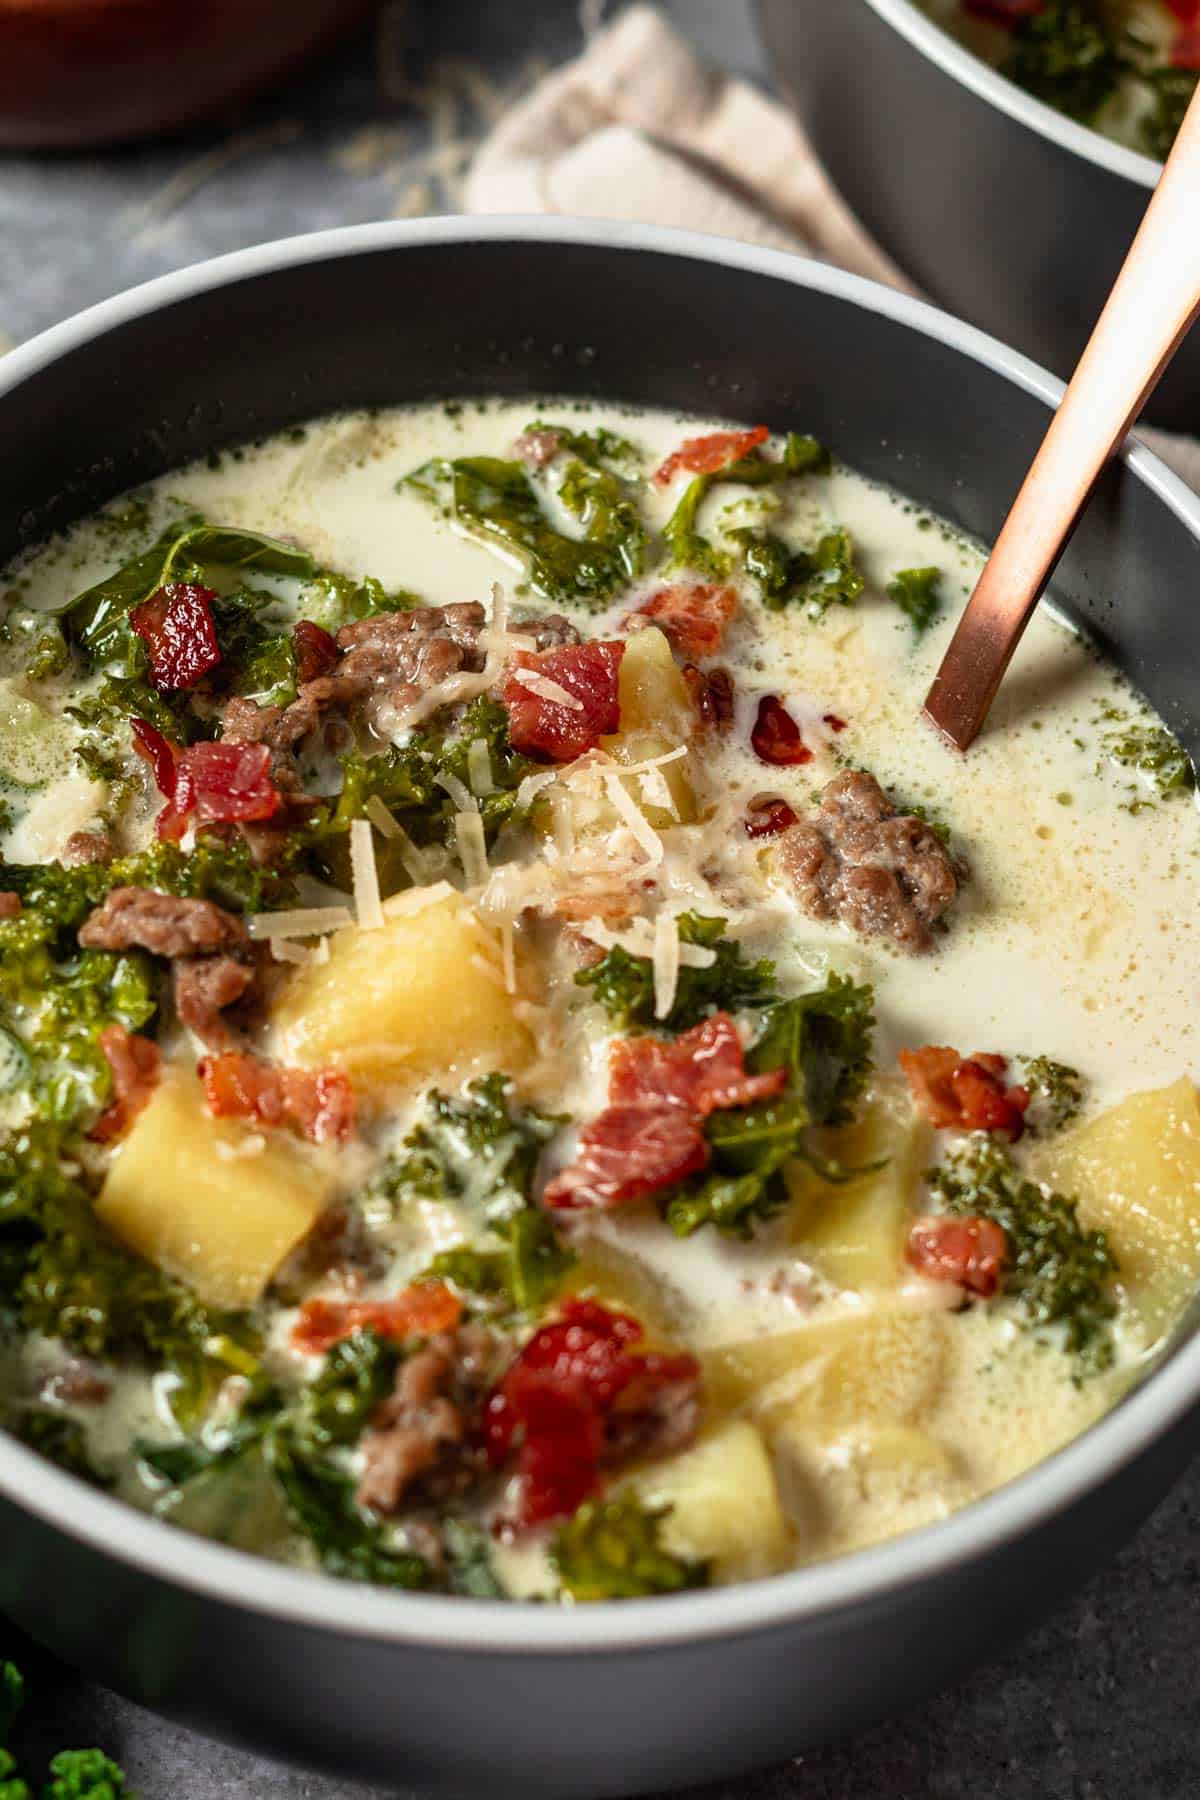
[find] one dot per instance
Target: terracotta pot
(79, 72)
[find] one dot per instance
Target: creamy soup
(1126, 67)
(527, 1069)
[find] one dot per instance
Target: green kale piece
(1069, 56)
(349, 1544)
(688, 549)
(599, 446)
(61, 1440)
(623, 984)
(11, 1785)
(335, 1407)
(50, 656)
(496, 501)
(824, 1041)
(815, 579)
(1058, 1271)
(12, 1697)
(480, 1141)
(1154, 753)
(1172, 90)
(612, 1550)
(258, 652)
(85, 1775)
(915, 593)
(97, 621)
(333, 599)
(1056, 1086)
(521, 1276)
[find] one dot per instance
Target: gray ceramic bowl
(619, 1698)
(997, 206)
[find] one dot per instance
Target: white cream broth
(1072, 938)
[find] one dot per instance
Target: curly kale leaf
(348, 1543)
(599, 446)
(497, 502)
(12, 1697)
(333, 599)
(1155, 754)
(213, 870)
(1057, 1091)
(613, 1550)
(477, 1141)
(915, 593)
(61, 1440)
(688, 548)
(823, 1040)
(814, 579)
(1068, 55)
(334, 1408)
(85, 1775)
(518, 1278)
(1058, 1271)
(623, 983)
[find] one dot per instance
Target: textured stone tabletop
(1101, 1702)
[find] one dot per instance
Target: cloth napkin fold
(638, 128)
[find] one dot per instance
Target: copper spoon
(1154, 302)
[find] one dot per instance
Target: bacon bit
(317, 1105)
(651, 1133)
(316, 650)
(693, 616)
(712, 696)
(970, 1252)
(766, 816)
(589, 672)
(176, 624)
(423, 1310)
(776, 737)
(833, 722)
(705, 455)
(564, 1407)
(136, 1064)
(10, 904)
(219, 783)
(703, 1070)
(957, 1093)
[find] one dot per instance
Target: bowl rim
(962, 65)
(238, 1579)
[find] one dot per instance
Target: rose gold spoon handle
(1155, 300)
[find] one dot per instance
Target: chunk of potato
(882, 1365)
(211, 1200)
(724, 1504)
(854, 1234)
(410, 999)
(656, 716)
(1135, 1172)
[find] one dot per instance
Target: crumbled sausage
(883, 873)
(653, 1419)
(137, 918)
(549, 631)
(204, 986)
(423, 1432)
(83, 847)
(537, 448)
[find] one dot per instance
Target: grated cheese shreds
(547, 689)
(303, 921)
(414, 861)
(285, 951)
(657, 792)
(472, 848)
(532, 786)
(458, 791)
(415, 900)
(479, 767)
(656, 762)
(382, 818)
(368, 907)
(666, 963)
(508, 956)
(639, 825)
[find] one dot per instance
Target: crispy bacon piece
(176, 625)
(136, 1063)
(712, 696)
(833, 722)
(703, 1070)
(776, 737)
(423, 1310)
(577, 1397)
(209, 783)
(542, 726)
(766, 816)
(693, 616)
(651, 1134)
(705, 455)
(964, 1093)
(318, 1105)
(316, 650)
(969, 1251)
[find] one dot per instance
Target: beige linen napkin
(638, 128)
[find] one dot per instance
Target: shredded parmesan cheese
(414, 861)
(368, 907)
(532, 786)
(304, 921)
(458, 791)
(479, 767)
(666, 963)
(639, 825)
(657, 762)
(472, 848)
(508, 956)
(382, 818)
(546, 689)
(415, 900)
(285, 951)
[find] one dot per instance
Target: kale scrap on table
(74, 1774)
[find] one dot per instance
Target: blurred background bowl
(1001, 209)
(83, 72)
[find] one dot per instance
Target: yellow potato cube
(724, 1504)
(213, 1201)
(656, 716)
(854, 1234)
(882, 1365)
(423, 996)
(1135, 1172)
